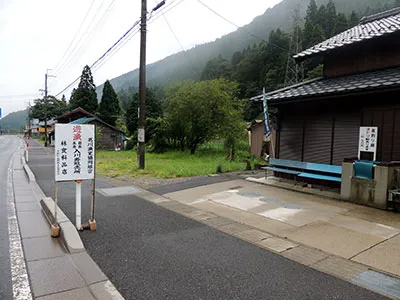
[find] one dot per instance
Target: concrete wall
(364, 191)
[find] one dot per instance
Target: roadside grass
(171, 164)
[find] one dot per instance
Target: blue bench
(305, 169)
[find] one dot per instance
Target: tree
(85, 95)
(312, 12)
(354, 20)
(153, 110)
(341, 24)
(331, 19)
(47, 108)
(198, 111)
(217, 68)
(109, 108)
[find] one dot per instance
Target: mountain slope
(189, 64)
(15, 120)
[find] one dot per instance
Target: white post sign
(74, 152)
(74, 158)
(368, 141)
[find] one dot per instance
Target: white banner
(74, 152)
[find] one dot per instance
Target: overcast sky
(35, 35)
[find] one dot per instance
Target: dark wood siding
(346, 134)
(388, 122)
(318, 139)
(291, 138)
(396, 136)
(361, 57)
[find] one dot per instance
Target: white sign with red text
(368, 141)
(74, 152)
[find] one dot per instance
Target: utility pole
(46, 76)
(142, 88)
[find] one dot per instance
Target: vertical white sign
(74, 152)
(368, 141)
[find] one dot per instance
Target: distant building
(257, 138)
(109, 137)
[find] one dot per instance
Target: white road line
(19, 276)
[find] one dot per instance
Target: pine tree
(311, 19)
(312, 12)
(354, 20)
(331, 19)
(85, 95)
(341, 24)
(109, 108)
(153, 110)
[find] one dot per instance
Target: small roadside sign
(74, 152)
(368, 140)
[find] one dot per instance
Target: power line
(170, 28)
(76, 34)
(67, 63)
(166, 9)
(99, 24)
(233, 24)
(103, 55)
(115, 50)
(119, 44)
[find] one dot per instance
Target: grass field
(166, 165)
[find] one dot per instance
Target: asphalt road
(8, 145)
(151, 253)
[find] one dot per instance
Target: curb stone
(97, 282)
(28, 172)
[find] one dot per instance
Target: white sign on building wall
(74, 152)
(368, 141)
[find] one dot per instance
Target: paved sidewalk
(153, 252)
(353, 242)
(54, 273)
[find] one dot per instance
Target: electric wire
(233, 24)
(172, 31)
(76, 34)
(103, 55)
(90, 37)
(78, 45)
(125, 38)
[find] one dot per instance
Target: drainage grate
(119, 191)
(379, 282)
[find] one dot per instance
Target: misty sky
(35, 36)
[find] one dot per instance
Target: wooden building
(257, 137)
(109, 137)
(319, 120)
(73, 115)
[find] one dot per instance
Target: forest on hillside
(264, 63)
(189, 64)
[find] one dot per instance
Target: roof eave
(283, 101)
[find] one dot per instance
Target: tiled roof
(83, 120)
(370, 27)
(86, 120)
(385, 79)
